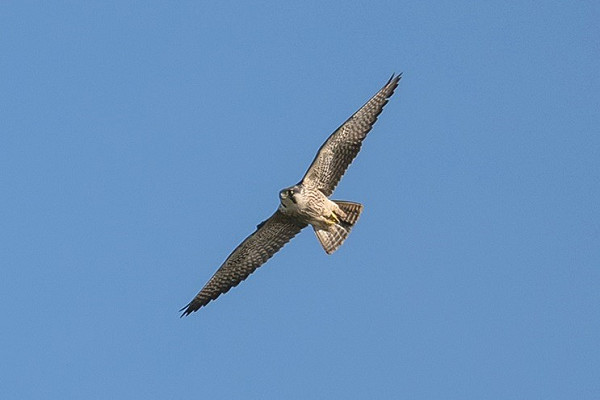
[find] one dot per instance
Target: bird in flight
(306, 203)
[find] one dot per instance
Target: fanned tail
(333, 237)
(351, 209)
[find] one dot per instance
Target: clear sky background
(141, 142)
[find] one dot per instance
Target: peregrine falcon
(306, 203)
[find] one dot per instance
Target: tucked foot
(332, 219)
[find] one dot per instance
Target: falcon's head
(286, 196)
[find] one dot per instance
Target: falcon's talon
(333, 219)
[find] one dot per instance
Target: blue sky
(142, 141)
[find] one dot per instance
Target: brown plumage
(254, 251)
(338, 151)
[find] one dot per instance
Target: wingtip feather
(393, 81)
(187, 311)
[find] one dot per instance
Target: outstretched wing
(336, 154)
(270, 236)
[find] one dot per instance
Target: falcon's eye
(290, 193)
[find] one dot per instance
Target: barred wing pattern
(336, 154)
(269, 237)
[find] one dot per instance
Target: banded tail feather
(332, 238)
